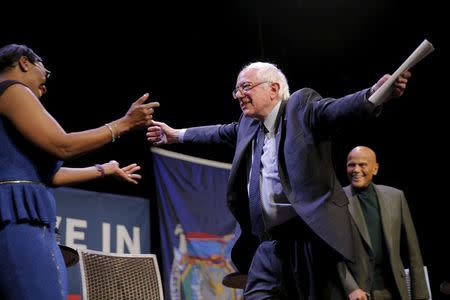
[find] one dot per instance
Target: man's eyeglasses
(43, 69)
(245, 87)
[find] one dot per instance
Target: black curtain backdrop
(187, 56)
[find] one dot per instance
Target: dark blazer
(304, 162)
(397, 225)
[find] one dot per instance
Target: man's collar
(270, 120)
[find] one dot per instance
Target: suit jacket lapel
(280, 136)
(358, 216)
(280, 126)
(385, 219)
(244, 142)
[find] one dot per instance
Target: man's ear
(275, 88)
(23, 64)
(375, 170)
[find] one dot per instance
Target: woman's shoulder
(4, 85)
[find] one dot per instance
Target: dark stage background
(187, 56)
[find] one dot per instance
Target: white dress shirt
(275, 205)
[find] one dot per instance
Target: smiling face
(36, 76)
(256, 97)
(21, 63)
(361, 167)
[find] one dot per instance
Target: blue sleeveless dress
(20, 161)
(31, 264)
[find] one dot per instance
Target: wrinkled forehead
(247, 75)
(360, 158)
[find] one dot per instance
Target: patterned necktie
(254, 190)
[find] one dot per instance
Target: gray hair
(270, 72)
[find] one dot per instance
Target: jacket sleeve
(419, 289)
(348, 281)
(326, 115)
(212, 134)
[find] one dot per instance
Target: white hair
(270, 72)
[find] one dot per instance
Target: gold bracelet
(117, 130)
(113, 136)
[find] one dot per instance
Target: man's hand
(358, 295)
(399, 86)
(160, 134)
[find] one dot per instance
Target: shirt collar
(369, 190)
(269, 121)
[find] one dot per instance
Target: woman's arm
(25, 111)
(70, 176)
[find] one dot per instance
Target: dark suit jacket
(304, 162)
(396, 225)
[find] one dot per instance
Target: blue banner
(197, 229)
(100, 221)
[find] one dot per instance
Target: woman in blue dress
(32, 146)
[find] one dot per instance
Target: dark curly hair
(10, 55)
